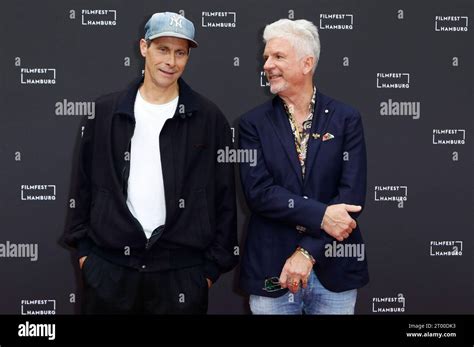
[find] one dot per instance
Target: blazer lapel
(281, 125)
(321, 118)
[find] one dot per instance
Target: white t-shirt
(146, 192)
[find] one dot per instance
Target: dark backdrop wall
(406, 65)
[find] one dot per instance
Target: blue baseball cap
(170, 24)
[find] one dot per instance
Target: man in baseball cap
(170, 24)
(140, 250)
(165, 47)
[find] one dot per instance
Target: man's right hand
(81, 261)
(337, 222)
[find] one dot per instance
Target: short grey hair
(301, 33)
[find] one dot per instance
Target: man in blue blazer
(304, 251)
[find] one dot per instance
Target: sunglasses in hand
(272, 284)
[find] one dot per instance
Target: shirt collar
(311, 107)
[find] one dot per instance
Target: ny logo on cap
(177, 21)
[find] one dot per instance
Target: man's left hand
(209, 283)
(295, 272)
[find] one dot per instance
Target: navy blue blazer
(280, 199)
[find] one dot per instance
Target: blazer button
(305, 197)
(326, 111)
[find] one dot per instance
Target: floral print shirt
(302, 135)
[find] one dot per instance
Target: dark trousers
(115, 289)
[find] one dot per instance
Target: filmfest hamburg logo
(216, 19)
(38, 192)
(445, 248)
(449, 136)
(38, 307)
(393, 80)
(263, 80)
(336, 21)
(451, 23)
(99, 17)
(388, 304)
(37, 75)
(391, 193)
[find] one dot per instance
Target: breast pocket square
(327, 136)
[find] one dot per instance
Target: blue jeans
(314, 299)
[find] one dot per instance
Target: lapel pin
(316, 136)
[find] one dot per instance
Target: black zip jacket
(200, 225)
